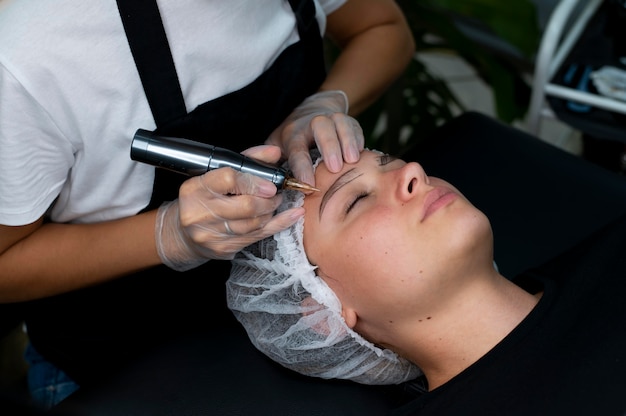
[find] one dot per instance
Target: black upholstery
(541, 201)
(11, 315)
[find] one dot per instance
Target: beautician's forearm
(57, 258)
(376, 49)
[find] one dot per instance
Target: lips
(437, 198)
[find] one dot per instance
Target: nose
(411, 178)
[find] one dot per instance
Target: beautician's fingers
(237, 240)
(227, 181)
(339, 137)
(216, 215)
(224, 194)
(300, 161)
(321, 119)
(265, 153)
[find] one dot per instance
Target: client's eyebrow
(345, 178)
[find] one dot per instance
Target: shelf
(583, 40)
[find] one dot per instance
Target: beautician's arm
(42, 259)
(377, 46)
(38, 259)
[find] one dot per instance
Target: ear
(350, 316)
(320, 327)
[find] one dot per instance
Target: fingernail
(308, 179)
(296, 213)
(353, 154)
(333, 163)
(266, 189)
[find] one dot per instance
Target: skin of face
(394, 244)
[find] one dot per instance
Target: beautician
(111, 255)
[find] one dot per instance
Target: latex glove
(322, 119)
(219, 213)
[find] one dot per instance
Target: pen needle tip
(301, 186)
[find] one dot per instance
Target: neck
(466, 328)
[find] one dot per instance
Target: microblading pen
(196, 158)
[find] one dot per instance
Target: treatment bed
(541, 201)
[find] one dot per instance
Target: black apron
(92, 332)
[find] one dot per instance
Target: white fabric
(294, 318)
(71, 98)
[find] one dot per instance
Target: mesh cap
(293, 317)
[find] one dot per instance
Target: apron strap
(150, 49)
(153, 58)
(305, 15)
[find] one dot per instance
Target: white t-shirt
(71, 98)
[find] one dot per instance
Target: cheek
(377, 243)
(369, 252)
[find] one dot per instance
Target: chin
(472, 232)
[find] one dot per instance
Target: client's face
(390, 240)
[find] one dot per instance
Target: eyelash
(354, 201)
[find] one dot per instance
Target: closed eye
(382, 161)
(354, 201)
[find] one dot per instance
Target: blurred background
(487, 56)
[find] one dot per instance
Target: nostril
(410, 189)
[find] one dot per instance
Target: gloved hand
(219, 213)
(323, 119)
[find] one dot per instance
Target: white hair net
(293, 317)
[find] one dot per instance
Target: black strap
(153, 58)
(305, 15)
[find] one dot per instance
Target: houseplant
(420, 101)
